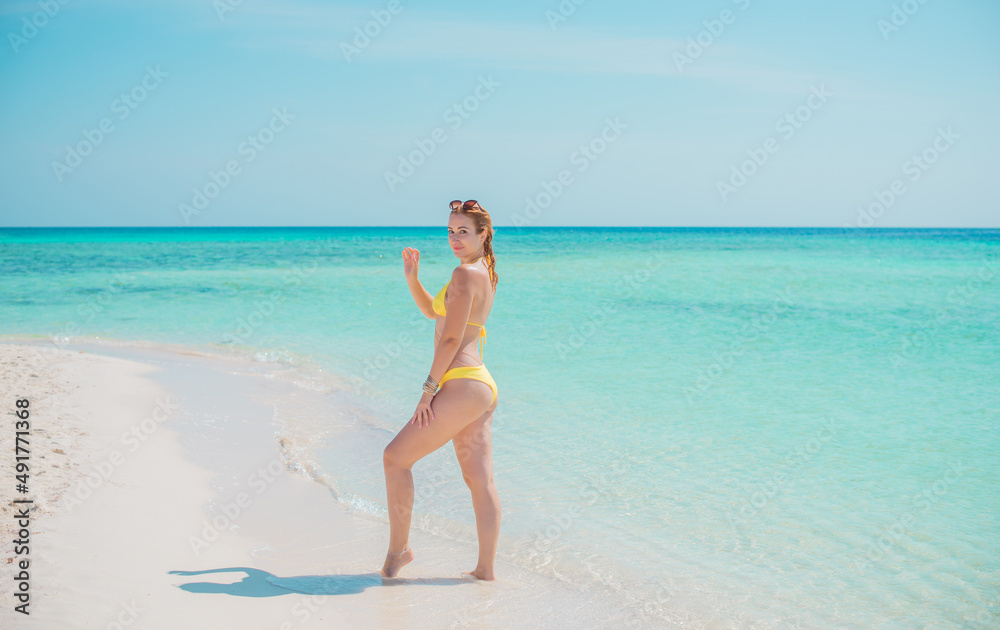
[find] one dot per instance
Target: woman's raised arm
(411, 266)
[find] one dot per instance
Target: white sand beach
(161, 500)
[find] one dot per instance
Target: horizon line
(534, 227)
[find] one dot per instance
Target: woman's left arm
(458, 307)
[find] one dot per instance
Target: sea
(750, 427)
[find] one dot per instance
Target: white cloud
(534, 47)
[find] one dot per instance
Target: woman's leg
(474, 448)
(458, 404)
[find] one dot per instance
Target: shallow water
(749, 428)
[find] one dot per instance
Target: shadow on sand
(260, 583)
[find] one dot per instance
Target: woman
(462, 409)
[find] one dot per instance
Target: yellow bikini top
(439, 308)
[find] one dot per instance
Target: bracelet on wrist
(430, 386)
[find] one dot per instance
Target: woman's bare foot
(396, 561)
(480, 574)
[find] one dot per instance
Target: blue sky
(723, 113)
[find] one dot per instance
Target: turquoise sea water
(717, 427)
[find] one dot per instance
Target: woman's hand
(411, 262)
(423, 414)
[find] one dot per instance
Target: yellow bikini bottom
(476, 373)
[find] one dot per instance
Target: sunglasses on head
(468, 205)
